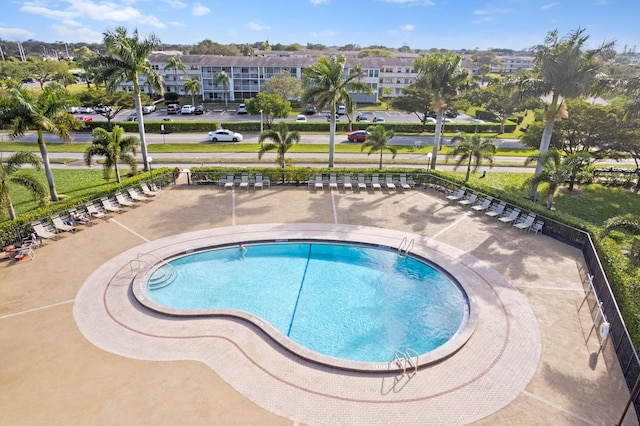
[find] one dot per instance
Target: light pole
(149, 159)
(261, 120)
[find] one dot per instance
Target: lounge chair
(333, 182)
(96, 213)
(511, 216)
(362, 185)
(258, 183)
(229, 182)
(388, 182)
(403, 182)
(526, 223)
(457, 194)
(44, 232)
(497, 210)
(375, 183)
(244, 182)
(483, 205)
(537, 226)
(109, 206)
(59, 224)
(148, 192)
(469, 200)
(347, 182)
(136, 196)
(120, 198)
(318, 183)
(80, 218)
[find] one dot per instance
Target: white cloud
(176, 4)
(176, 24)
(483, 20)
(15, 33)
(407, 27)
(83, 34)
(411, 2)
(200, 10)
(549, 5)
(257, 27)
(319, 1)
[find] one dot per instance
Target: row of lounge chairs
(497, 209)
(244, 182)
(361, 183)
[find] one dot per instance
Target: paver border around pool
(501, 356)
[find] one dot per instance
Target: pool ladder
(404, 360)
(405, 246)
(166, 275)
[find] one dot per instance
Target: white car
(301, 118)
(477, 121)
(148, 109)
(223, 135)
(187, 109)
(85, 110)
(242, 109)
(431, 120)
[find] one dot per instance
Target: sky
(419, 24)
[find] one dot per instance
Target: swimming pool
(345, 301)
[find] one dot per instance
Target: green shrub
(634, 252)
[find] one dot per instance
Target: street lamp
(261, 120)
(149, 159)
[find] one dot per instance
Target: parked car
(329, 117)
(148, 109)
(100, 109)
(311, 110)
(477, 121)
(301, 118)
(362, 119)
(431, 120)
(199, 110)
(187, 109)
(84, 118)
(242, 109)
(342, 110)
(73, 110)
(85, 110)
(357, 136)
(224, 135)
(132, 118)
(173, 108)
(451, 113)
(378, 119)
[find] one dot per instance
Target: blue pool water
(350, 302)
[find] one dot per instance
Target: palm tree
(192, 87)
(577, 162)
(378, 140)
(628, 223)
(223, 78)
(7, 175)
(472, 151)
(281, 140)
(127, 59)
(46, 113)
(327, 85)
(564, 70)
(444, 76)
(175, 64)
(554, 173)
(115, 148)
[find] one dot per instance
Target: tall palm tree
(8, 169)
(378, 140)
(223, 78)
(472, 151)
(281, 140)
(327, 85)
(175, 64)
(192, 87)
(127, 59)
(115, 148)
(563, 69)
(554, 173)
(443, 75)
(45, 113)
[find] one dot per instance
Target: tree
(192, 87)
(443, 76)
(65, 78)
(386, 95)
(563, 69)
(326, 85)
(42, 70)
(223, 78)
(115, 148)
(378, 140)
(417, 99)
(281, 141)
(284, 85)
(8, 175)
(174, 63)
(554, 173)
(112, 102)
(472, 151)
(127, 59)
(46, 113)
(576, 162)
(503, 99)
(83, 57)
(272, 106)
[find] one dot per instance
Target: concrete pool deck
(53, 374)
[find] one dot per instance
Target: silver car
(223, 135)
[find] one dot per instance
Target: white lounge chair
(136, 196)
(526, 223)
(43, 232)
(96, 213)
(109, 206)
(497, 210)
(80, 217)
(318, 184)
(229, 182)
(469, 200)
(511, 217)
(148, 192)
(457, 194)
(388, 182)
(258, 183)
(347, 182)
(375, 183)
(123, 201)
(403, 182)
(483, 205)
(537, 226)
(333, 182)
(362, 185)
(59, 224)
(244, 182)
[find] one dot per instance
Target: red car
(84, 118)
(357, 136)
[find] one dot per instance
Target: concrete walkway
(52, 372)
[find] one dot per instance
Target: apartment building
(510, 64)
